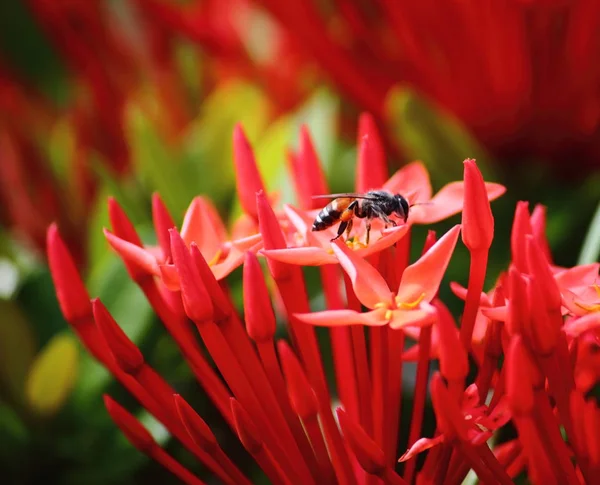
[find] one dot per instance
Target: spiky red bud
(133, 430)
(520, 229)
(518, 304)
(519, 381)
(248, 178)
(477, 218)
(195, 426)
(162, 223)
(369, 455)
(454, 363)
(221, 305)
(126, 354)
(71, 293)
(371, 169)
(272, 235)
(302, 396)
(260, 319)
(539, 266)
(196, 300)
(246, 429)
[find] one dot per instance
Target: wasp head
(401, 207)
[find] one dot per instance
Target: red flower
(508, 71)
(530, 366)
(408, 306)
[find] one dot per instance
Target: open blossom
(202, 227)
(533, 365)
(409, 305)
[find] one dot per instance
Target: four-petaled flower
(410, 305)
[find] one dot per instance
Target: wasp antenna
(421, 203)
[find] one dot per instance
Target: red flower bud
(302, 397)
(521, 228)
(477, 218)
(221, 305)
(311, 170)
(454, 363)
(133, 430)
(245, 428)
(272, 235)
(248, 177)
(72, 296)
(260, 319)
(367, 452)
(371, 167)
(162, 223)
(195, 426)
(519, 381)
(126, 354)
(196, 300)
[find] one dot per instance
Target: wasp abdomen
(330, 214)
(326, 218)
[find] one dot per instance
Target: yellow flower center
(591, 308)
(410, 304)
(355, 244)
(215, 259)
(398, 305)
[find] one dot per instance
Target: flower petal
(499, 313)
(577, 326)
(449, 201)
(388, 238)
(584, 275)
(132, 253)
(170, 276)
(369, 286)
(309, 256)
(425, 275)
(412, 181)
(338, 318)
(420, 446)
(203, 226)
(424, 315)
(461, 292)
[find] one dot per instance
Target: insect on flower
(375, 204)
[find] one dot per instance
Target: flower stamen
(591, 308)
(411, 304)
(215, 259)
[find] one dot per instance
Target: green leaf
(17, 349)
(437, 138)
(154, 161)
(590, 251)
(52, 375)
(15, 438)
(208, 144)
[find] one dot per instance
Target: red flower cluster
(515, 73)
(533, 366)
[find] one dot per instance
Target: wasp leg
(341, 229)
(349, 228)
(368, 227)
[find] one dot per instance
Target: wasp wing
(345, 194)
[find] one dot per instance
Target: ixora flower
(408, 306)
(530, 368)
(202, 227)
(411, 181)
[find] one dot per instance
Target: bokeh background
(123, 98)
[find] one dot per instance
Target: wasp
(375, 204)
